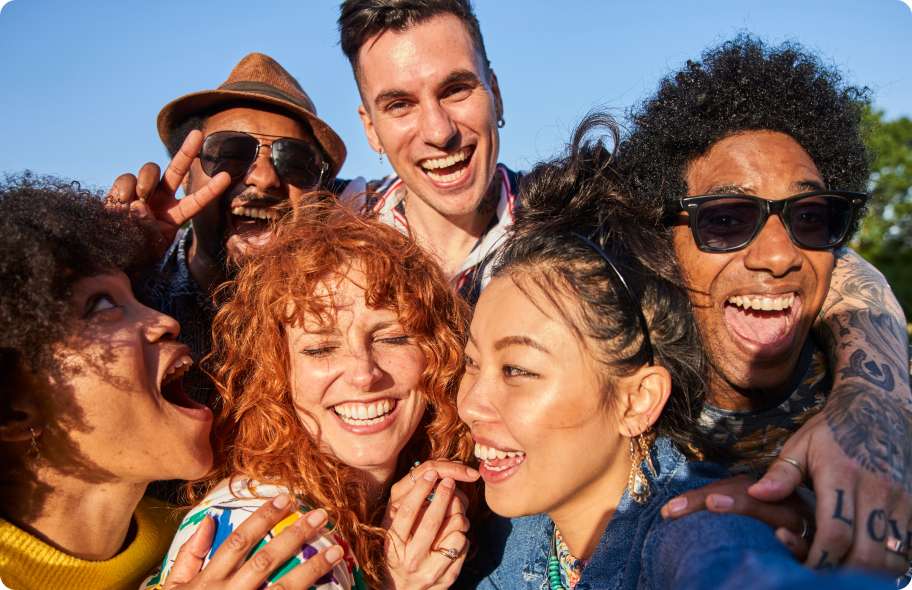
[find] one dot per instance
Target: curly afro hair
(52, 234)
(744, 85)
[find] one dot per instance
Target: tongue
(764, 327)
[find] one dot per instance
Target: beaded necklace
(561, 561)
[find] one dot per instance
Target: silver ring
(411, 471)
(451, 554)
(896, 546)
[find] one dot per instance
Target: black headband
(647, 341)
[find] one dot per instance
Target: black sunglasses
(298, 163)
(817, 220)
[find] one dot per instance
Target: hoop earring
(637, 481)
(501, 122)
(34, 450)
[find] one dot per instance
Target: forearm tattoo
(869, 410)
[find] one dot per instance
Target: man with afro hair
(753, 158)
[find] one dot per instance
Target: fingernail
(281, 501)
(430, 475)
(316, 517)
(334, 554)
(677, 505)
(720, 501)
(448, 482)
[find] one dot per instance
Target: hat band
(270, 91)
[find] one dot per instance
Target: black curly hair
(579, 195)
(744, 85)
(52, 233)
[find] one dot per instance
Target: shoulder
(512, 553)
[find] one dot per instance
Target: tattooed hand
(858, 450)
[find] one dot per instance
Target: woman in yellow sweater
(92, 410)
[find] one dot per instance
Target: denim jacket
(641, 550)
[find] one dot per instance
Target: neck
(208, 272)
(583, 518)
(451, 238)
(728, 396)
(83, 519)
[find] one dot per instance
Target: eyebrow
(464, 76)
(508, 341)
(728, 189)
(809, 185)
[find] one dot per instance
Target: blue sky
(84, 80)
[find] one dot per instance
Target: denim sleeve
(727, 551)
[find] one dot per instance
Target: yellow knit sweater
(26, 563)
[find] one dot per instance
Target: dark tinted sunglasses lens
(820, 221)
(228, 151)
(727, 223)
(298, 162)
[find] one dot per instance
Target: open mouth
(497, 464)
(764, 320)
(448, 169)
(360, 414)
(172, 385)
(251, 221)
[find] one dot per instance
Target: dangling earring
(637, 482)
(501, 122)
(380, 153)
(35, 451)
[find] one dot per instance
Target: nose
(362, 371)
(773, 251)
(159, 326)
(436, 124)
(473, 402)
(262, 174)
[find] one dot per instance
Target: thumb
(780, 480)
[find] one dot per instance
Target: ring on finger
(794, 463)
(806, 531)
(897, 546)
(449, 553)
(412, 471)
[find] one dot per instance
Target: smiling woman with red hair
(336, 355)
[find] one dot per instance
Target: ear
(20, 414)
(372, 138)
(498, 100)
(642, 397)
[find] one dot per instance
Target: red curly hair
(258, 433)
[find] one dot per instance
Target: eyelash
(94, 300)
(510, 371)
(322, 351)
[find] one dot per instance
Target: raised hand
(150, 196)
(426, 534)
(229, 568)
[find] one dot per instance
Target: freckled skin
(770, 165)
(362, 357)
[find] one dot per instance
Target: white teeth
(486, 453)
(763, 302)
(178, 368)
(437, 163)
(255, 212)
(362, 414)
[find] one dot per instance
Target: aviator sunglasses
(817, 220)
(298, 163)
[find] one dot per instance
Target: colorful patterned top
(571, 568)
(231, 503)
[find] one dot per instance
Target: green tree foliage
(885, 238)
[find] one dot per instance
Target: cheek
(822, 264)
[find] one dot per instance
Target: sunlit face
(235, 221)
(358, 380)
(751, 348)
(532, 398)
(116, 410)
(432, 105)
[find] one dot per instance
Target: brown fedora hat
(256, 78)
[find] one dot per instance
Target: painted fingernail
(720, 501)
(281, 501)
(333, 554)
(316, 517)
(676, 505)
(430, 475)
(448, 482)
